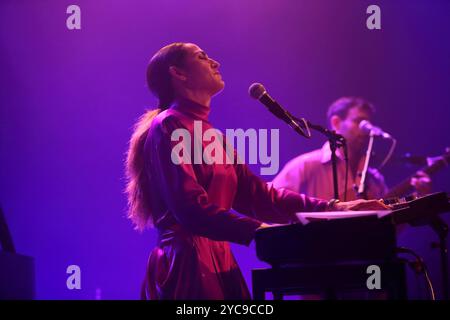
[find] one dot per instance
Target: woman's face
(201, 72)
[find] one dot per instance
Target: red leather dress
(199, 208)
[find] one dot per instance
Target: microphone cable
(389, 154)
(419, 266)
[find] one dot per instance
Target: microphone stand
(362, 192)
(336, 141)
(441, 228)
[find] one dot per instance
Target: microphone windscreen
(256, 90)
(365, 125)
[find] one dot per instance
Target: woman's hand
(263, 226)
(361, 205)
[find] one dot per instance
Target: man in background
(311, 173)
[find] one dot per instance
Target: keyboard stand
(329, 280)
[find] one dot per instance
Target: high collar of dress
(192, 109)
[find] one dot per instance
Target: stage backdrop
(69, 99)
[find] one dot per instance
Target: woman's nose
(214, 63)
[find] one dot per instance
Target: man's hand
(422, 183)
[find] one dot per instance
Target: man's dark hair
(342, 106)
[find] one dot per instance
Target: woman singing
(191, 205)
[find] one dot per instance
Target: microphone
(366, 126)
(258, 92)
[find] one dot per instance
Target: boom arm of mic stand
(336, 141)
(331, 135)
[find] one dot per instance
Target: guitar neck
(404, 188)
